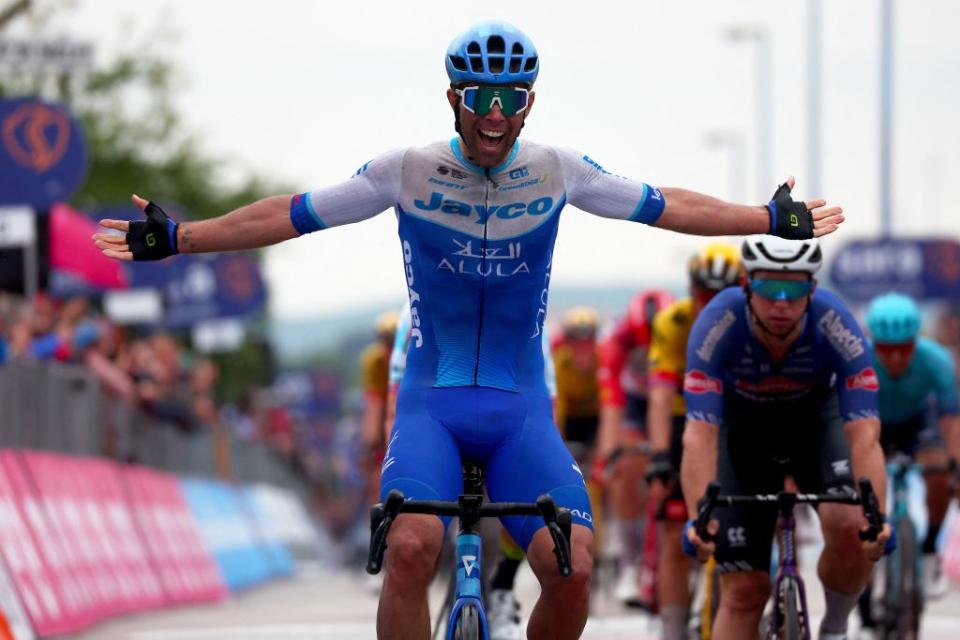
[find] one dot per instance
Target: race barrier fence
(86, 539)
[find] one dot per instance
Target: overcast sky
(306, 92)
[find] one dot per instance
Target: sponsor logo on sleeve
(716, 332)
(847, 343)
(865, 379)
(697, 381)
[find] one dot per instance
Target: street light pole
(731, 141)
(762, 89)
(814, 169)
(886, 116)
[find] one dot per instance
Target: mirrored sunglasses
(481, 99)
(781, 289)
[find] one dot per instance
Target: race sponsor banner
(14, 623)
(113, 529)
(229, 531)
(283, 517)
(181, 557)
(62, 493)
(35, 556)
(278, 555)
(43, 152)
(951, 544)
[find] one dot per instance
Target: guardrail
(61, 408)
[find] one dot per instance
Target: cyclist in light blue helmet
(919, 408)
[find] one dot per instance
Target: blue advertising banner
(43, 152)
(927, 269)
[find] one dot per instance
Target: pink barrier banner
(951, 546)
(185, 565)
(111, 525)
(37, 561)
(59, 481)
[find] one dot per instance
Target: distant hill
(298, 340)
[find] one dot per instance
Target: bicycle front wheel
(905, 624)
(468, 624)
(790, 626)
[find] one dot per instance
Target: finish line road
(338, 605)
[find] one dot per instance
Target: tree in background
(138, 140)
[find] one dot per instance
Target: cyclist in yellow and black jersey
(715, 267)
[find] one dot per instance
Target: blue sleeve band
(302, 215)
(172, 233)
(650, 207)
(772, 210)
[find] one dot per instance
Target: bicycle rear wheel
(468, 624)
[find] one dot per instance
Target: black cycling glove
(660, 467)
(155, 238)
(789, 219)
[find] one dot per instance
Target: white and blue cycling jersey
(931, 373)
(401, 341)
(477, 248)
(730, 373)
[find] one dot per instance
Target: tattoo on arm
(186, 241)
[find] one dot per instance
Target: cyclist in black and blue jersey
(919, 412)
(780, 381)
(477, 217)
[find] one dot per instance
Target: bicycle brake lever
(382, 516)
(558, 521)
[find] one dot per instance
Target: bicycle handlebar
(382, 515)
(867, 499)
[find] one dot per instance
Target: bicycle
(790, 619)
(900, 607)
(467, 619)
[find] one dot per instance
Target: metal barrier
(61, 407)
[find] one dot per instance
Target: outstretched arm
(695, 213)
(260, 224)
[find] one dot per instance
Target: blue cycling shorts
(511, 435)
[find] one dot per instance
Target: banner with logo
(182, 560)
(197, 287)
(43, 152)
(229, 532)
(34, 555)
(926, 268)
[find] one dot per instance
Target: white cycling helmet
(772, 253)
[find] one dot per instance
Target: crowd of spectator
(153, 372)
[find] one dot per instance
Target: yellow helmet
(716, 266)
(580, 322)
(387, 324)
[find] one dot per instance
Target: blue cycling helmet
(492, 53)
(893, 318)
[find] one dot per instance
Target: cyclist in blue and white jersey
(918, 407)
(503, 610)
(477, 218)
(780, 381)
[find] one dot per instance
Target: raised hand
(152, 239)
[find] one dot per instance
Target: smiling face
(489, 138)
